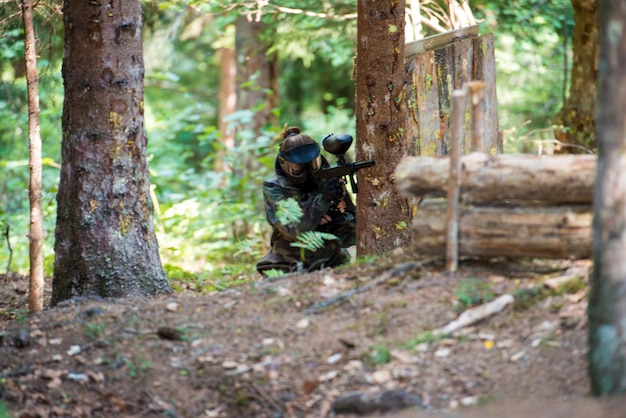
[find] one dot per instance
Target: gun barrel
(345, 169)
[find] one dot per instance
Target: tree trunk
(538, 231)
(35, 295)
(579, 111)
(257, 74)
(227, 103)
(488, 178)
(607, 299)
(383, 216)
(105, 241)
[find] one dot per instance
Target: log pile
(504, 177)
(509, 205)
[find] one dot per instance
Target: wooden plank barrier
(484, 203)
(511, 205)
(438, 65)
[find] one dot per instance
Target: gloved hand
(332, 190)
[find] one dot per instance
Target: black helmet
(297, 151)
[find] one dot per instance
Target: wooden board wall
(437, 66)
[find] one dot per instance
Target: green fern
(312, 240)
(288, 211)
(248, 246)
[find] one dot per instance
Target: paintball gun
(338, 145)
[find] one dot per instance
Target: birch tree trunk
(607, 299)
(105, 241)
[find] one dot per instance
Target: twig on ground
(267, 398)
(473, 315)
(320, 306)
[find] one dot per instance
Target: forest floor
(354, 341)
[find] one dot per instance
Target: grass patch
(378, 355)
(425, 337)
(472, 292)
(94, 331)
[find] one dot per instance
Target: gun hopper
(338, 145)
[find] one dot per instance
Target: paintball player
(326, 207)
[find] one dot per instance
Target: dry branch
(320, 306)
(473, 315)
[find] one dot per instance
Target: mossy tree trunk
(105, 241)
(576, 120)
(381, 113)
(607, 299)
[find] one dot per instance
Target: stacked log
(511, 205)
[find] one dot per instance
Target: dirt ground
(354, 341)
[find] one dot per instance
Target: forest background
(209, 213)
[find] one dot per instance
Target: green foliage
(473, 291)
(210, 224)
(530, 65)
(424, 337)
(313, 240)
(4, 410)
(137, 366)
(529, 297)
(573, 286)
(288, 211)
(379, 355)
(93, 331)
(273, 273)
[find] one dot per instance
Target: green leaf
(313, 240)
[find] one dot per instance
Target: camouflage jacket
(284, 256)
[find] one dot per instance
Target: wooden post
(477, 100)
(454, 181)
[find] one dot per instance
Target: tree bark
(488, 178)
(36, 285)
(579, 111)
(551, 232)
(382, 214)
(257, 73)
(607, 298)
(105, 241)
(227, 104)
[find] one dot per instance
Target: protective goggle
(297, 159)
(294, 169)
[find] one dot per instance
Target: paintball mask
(299, 155)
